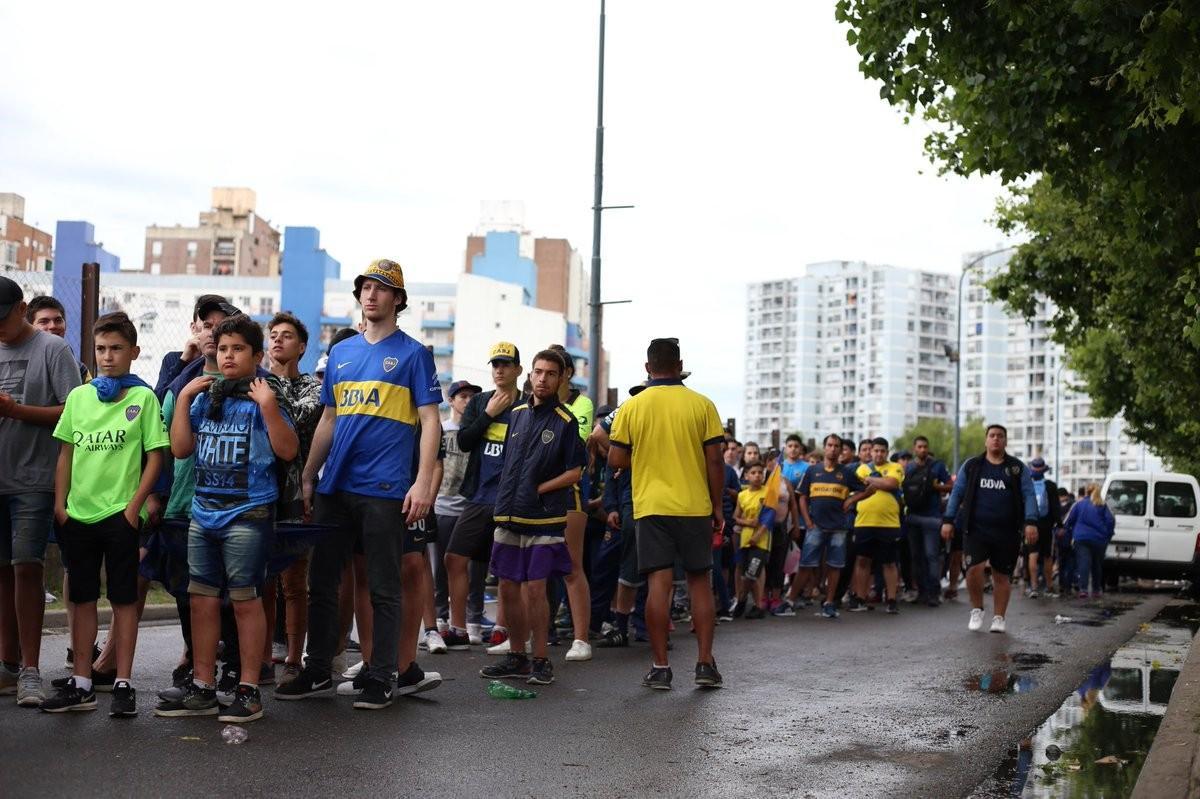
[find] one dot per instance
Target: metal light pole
(597, 208)
(958, 343)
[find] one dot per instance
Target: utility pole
(597, 326)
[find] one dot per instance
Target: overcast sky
(743, 133)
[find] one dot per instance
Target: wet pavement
(1096, 743)
(913, 705)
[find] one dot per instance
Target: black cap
(208, 303)
(10, 296)
(462, 385)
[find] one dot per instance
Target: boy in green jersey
(113, 437)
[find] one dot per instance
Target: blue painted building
(306, 267)
(501, 260)
(75, 245)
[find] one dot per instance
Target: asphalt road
(865, 706)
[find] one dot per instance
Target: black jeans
(381, 524)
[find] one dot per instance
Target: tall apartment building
(22, 246)
(1014, 374)
(230, 239)
(848, 347)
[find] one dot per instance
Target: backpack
(918, 487)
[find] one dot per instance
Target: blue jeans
(233, 557)
(925, 546)
(1089, 559)
(1066, 561)
(25, 524)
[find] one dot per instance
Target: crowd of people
(284, 510)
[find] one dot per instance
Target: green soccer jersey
(109, 440)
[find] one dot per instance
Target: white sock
(661, 667)
(83, 683)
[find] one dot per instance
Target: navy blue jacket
(542, 442)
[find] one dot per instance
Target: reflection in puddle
(1096, 743)
(1000, 683)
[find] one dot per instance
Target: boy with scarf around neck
(113, 437)
(237, 430)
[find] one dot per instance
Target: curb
(58, 618)
(1172, 767)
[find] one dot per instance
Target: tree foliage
(940, 433)
(1089, 111)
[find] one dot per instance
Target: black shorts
(881, 545)
(1001, 549)
(780, 544)
(109, 541)
(416, 536)
(474, 533)
(754, 560)
(1045, 542)
(663, 540)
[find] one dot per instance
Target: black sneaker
(69, 697)
(514, 665)
(707, 675)
(855, 605)
(541, 672)
(246, 706)
(103, 681)
(181, 675)
(375, 696)
(455, 640)
(680, 614)
(266, 674)
(227, 686)
(124, 701)
(196, 701)
(307, 683)
(613, 639)
(658, 679)
(891, 607)
(416, 681)
(739, 609)
(755, 612)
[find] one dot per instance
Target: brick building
(23, 247)
(231, 239)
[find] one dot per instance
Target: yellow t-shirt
(750, 502)
(666, 427)
(881, 509)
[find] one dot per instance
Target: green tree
(1089, 111)
(940, 433)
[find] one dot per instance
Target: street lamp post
(597, 326)
(958, 353)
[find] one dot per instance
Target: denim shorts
(26, 521)
(233, 557)
(823, 540)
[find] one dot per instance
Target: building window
(266, 305)
(156, 248)
(191, 268)
(156, 268)
(191, 249)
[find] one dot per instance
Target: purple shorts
(524, 558)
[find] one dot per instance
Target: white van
(1158, 531)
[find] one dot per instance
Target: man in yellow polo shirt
(671, 438)
(876, 526)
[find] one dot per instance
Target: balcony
(445, 349)
(437, 324)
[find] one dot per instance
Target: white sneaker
(976, 622)
(998, 624)
(29, 687)
(443, 626)
(580, 650)
(434, 643)
(475, 634)
(352, 672)
(505, 648)
(348, 689)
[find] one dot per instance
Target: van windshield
(1127, 497)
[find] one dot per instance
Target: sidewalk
(57, 619)
(1173, 766)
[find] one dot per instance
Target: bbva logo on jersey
(352, 397)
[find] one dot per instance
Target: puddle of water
(1000, 683)
(1026, 661)
(1096, 742)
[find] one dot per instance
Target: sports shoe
(416, 681)
(613, 639)
(278, 652)
(70, 697)
(227, 686)
(124, 701)
(976, 622)
(266, 674)
(755, 612)
(196, 701)
(785, 608)
(513, 665)
(8, 681)
(737, 609)
(829, 610)
(680, 614)
(246, 706)
(541, 672)
(435, 644)
(353, 646)
(724, 616)
(998, 624)
(355, 685)
(353, 672)
(29, 687)
(658, 679)
(891, 607)
(707, 675)
(1033, 594)
(70, 661)
(307, 683)
(502, 648)
(580, 650)
(950, 595)
(856, 605)
(499, 635)
(475, 634)
(102, 681)
(289, 673)
(456, 640)
(375, 696)
(181, 675)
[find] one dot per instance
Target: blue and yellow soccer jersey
(376, 390)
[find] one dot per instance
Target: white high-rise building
(847, 347)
